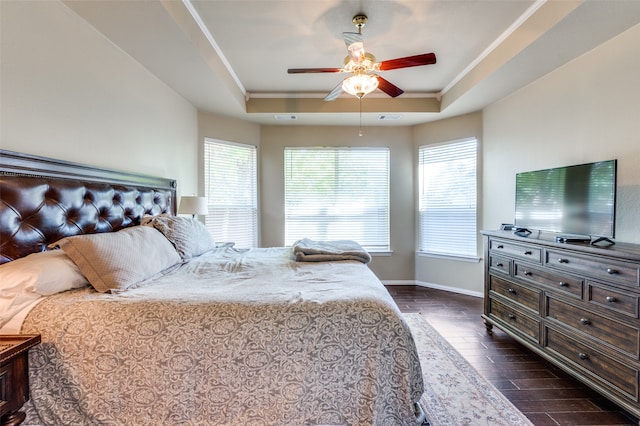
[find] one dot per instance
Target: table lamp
(193, 205)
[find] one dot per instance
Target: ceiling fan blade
(355, 46)
(312, 70)
(337, 91)
(389, 88)
(409, 61)
(350, 38)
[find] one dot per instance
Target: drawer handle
(511, 316)
(563, 260)
(500, 265)
(585, 321)
(612, 271)
(582, 355)
(527, 273)
(512, 291)
(528, 253)
(500, 246)
(611, 299)
(563, 284)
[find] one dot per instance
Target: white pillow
(46, 273)
(115, 261)
(25, 280)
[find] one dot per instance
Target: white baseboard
(435, 286)
(399, 282)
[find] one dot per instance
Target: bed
(144, 320)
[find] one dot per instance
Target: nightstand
(14, 375)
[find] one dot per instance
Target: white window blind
(230, 180)
(448, 198)
(337, 194)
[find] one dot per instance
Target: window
(337, 194)
(448, 200)
(230, 181)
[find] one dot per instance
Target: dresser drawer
(593, 266)
(622, 377)
(499, 264)
(527, 297)
(516, 319)
(620, 336)
(522, 251)
(614, 300)
(562, 283)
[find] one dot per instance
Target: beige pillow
(188, 235)
(115, 261)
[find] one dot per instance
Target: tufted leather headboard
(43, 200)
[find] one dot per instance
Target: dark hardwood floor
(544, 393)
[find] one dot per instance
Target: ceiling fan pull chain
(360, 105)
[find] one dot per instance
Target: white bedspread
(228, 339)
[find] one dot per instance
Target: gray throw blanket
(306, 250)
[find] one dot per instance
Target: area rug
(455, 394)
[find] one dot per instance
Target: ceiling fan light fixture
(360, 85)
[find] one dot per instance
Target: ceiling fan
(363, 67)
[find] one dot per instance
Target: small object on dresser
(14, 376)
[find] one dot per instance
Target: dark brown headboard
(43, 200)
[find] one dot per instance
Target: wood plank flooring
(545, 394)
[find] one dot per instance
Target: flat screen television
(573, 201)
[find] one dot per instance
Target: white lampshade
(191, 204)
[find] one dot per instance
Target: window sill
(460, 258)
(380, 253)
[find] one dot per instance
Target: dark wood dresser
(14, 376)
(575, 304)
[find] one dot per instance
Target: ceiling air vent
(389, 117)
(285, 117)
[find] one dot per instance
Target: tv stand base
(522, 232)
(602, 241)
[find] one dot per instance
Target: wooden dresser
(575, 304)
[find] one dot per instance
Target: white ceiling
(231, 57)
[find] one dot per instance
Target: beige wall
(227, 129)
(463, 276)
(588, 110)
(69, 93)
(399, 266)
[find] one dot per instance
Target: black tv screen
(574, 200)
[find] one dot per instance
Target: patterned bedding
(229, 338)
